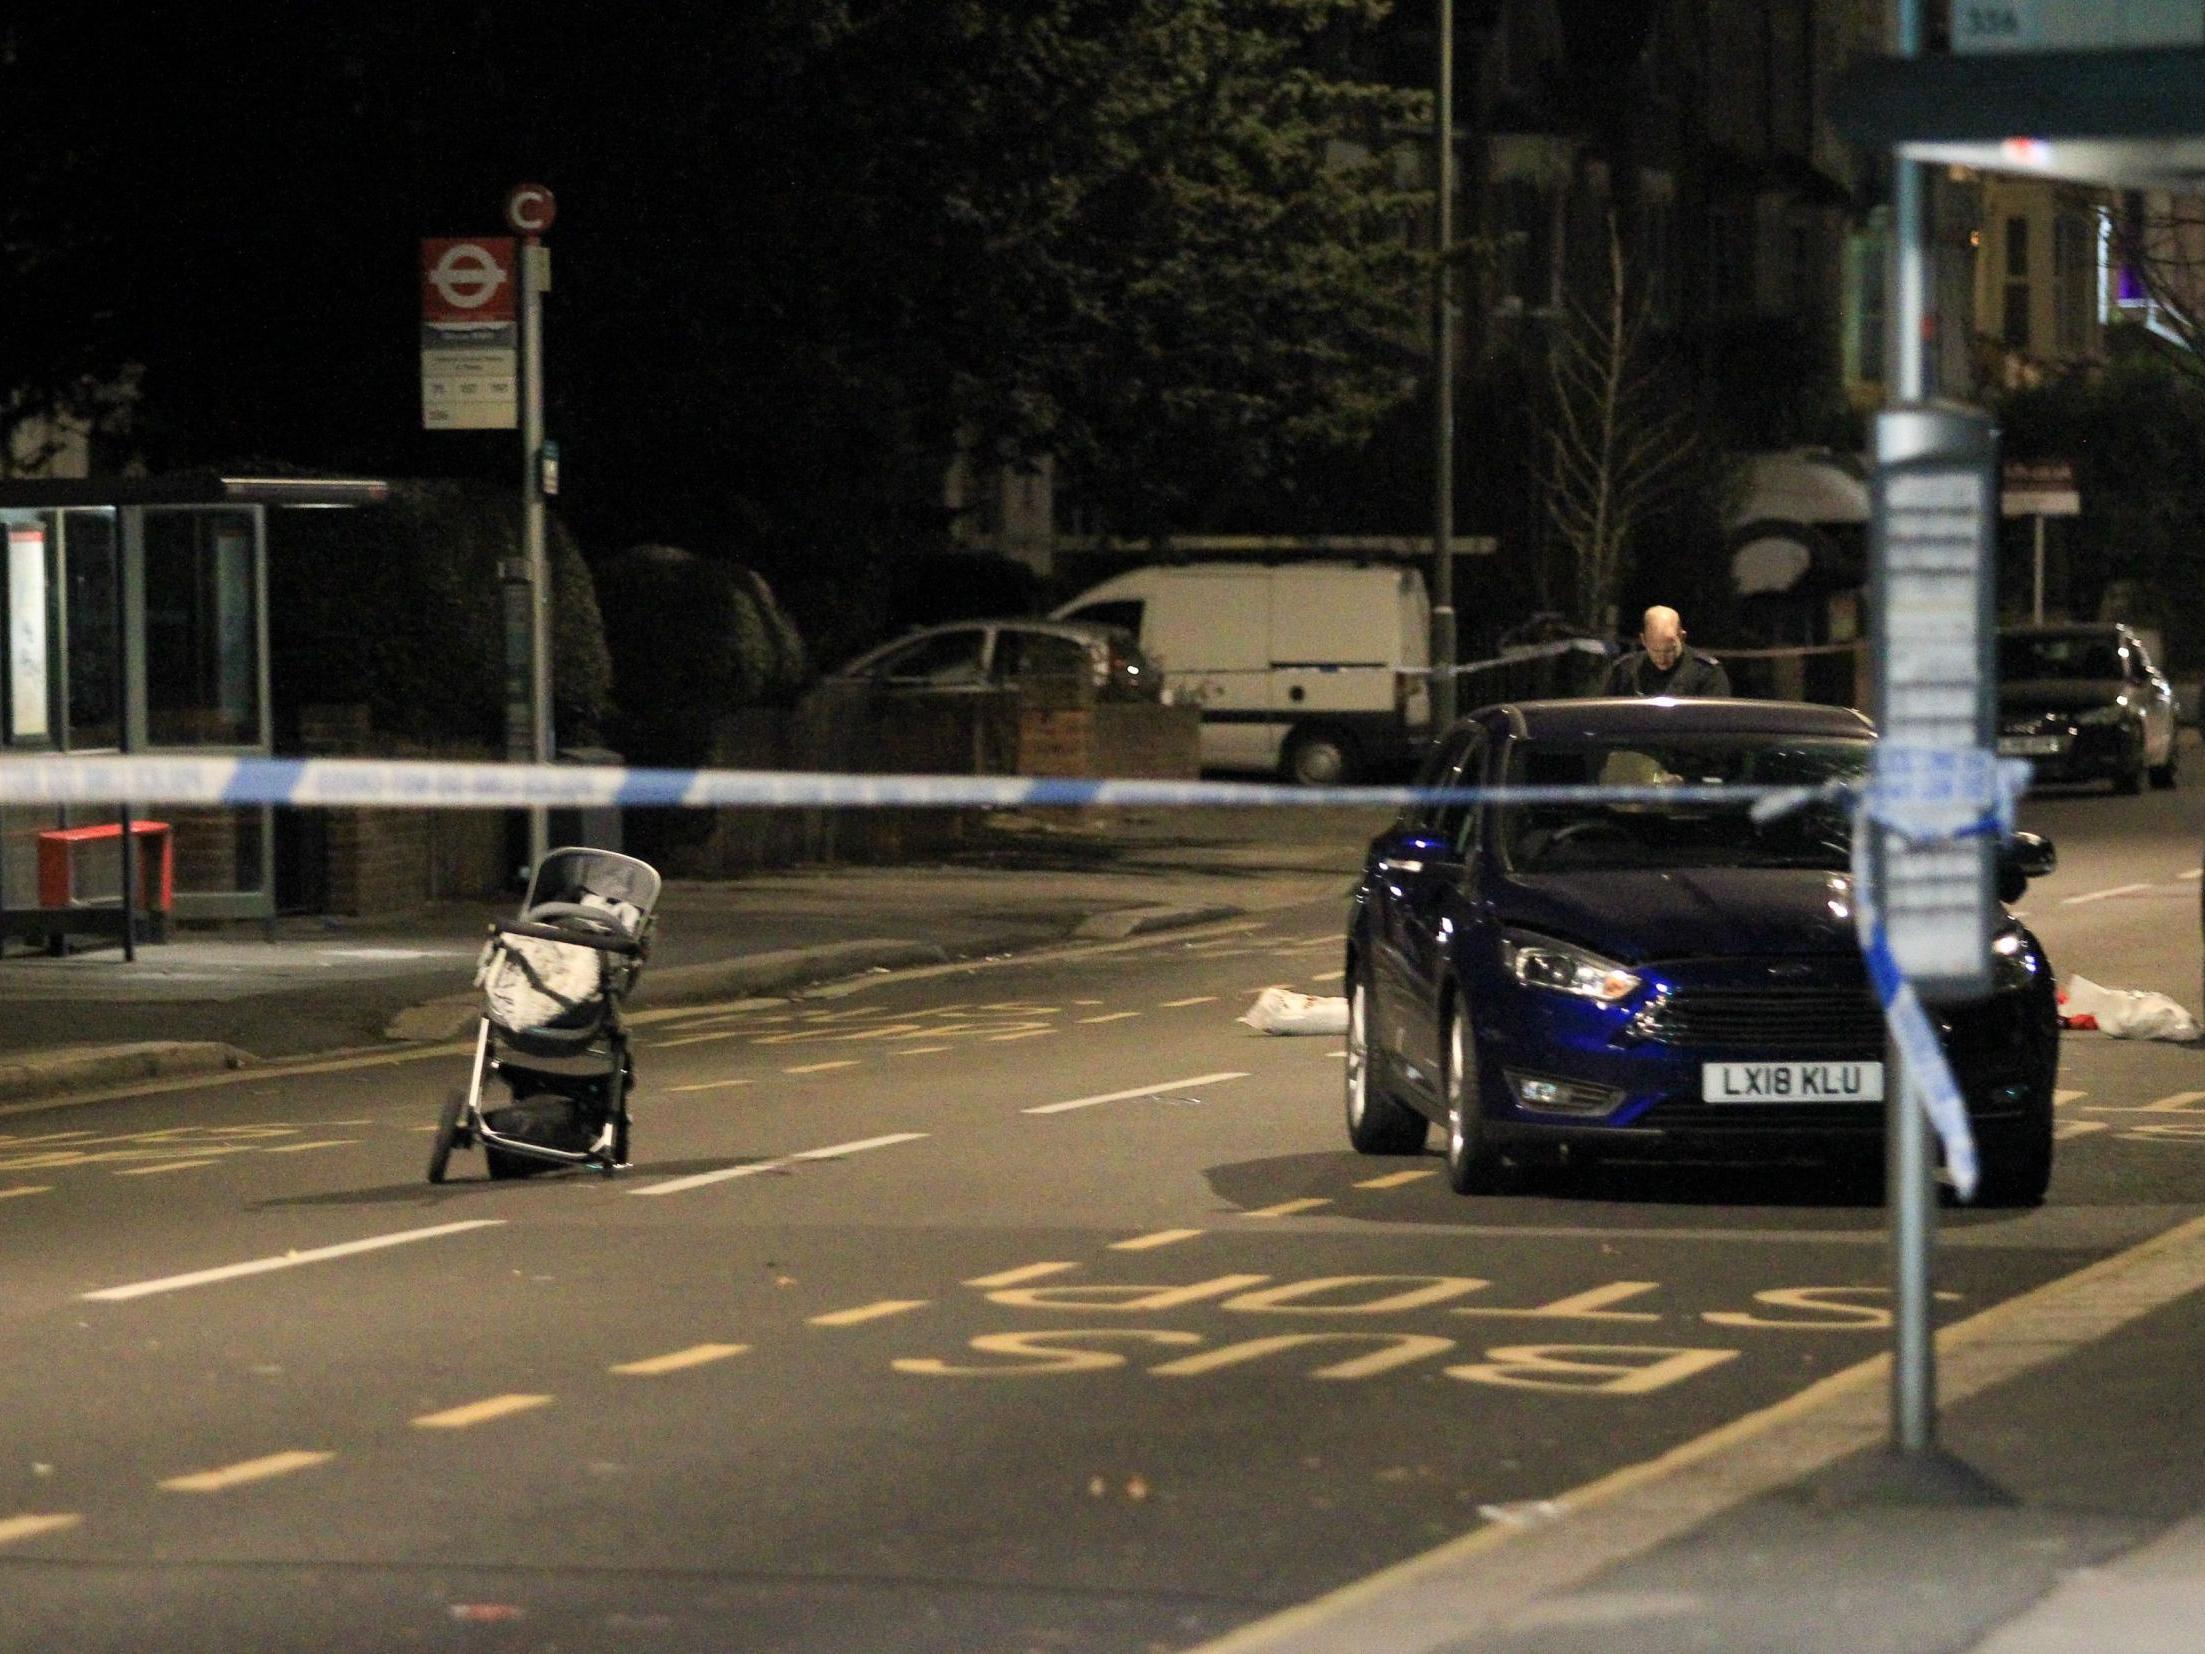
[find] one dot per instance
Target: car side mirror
(2021, 858)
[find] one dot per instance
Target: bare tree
(2159, 249)
(1617, 439)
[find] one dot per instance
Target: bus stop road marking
(480, 1412)
(675, 1361)
(247, 1470)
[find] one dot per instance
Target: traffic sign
(529, 209)
(468, 334)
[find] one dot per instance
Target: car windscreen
(2075, 655)
(1652, 832)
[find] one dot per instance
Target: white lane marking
(2101, 895)
(479, 1412)
(697, 1180)
(247, 1470)
(26, 1189)
(289, 1260)
(2080, 1128)
(301, 1148)
(1198, 999)
(711, 1085)
(1114, 1016)
(1024, 1272)
(29, 1526)
(1287, 1208)
(675, 1360)
(1137, 1091)
(164, 1166)
(1329, 976)
(868, 1312)
(821, 1067)
(1162, 1237)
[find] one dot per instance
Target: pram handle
(581, 939)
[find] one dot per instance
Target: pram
(553, 982)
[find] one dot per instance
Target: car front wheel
(1377, 1123)
(1472, 1166)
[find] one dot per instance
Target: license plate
(1792, 1082)
(2029, 746)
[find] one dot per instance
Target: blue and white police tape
(148, 779)
(1924, 795)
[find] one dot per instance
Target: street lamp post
(1443, 381)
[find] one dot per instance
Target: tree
(1617, 441)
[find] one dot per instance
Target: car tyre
(2015, 1167)
(1472, 1166)
(1377, 1121)
(1322, 757)
(2130, 781)
(2163, 776)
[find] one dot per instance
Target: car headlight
(2103, 714)
(1537, 962)
(2013, 966)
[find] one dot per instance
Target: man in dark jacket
(1662, 665)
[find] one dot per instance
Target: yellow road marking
(13, 1528)
(1328, 976)
(1287, 1208)
(1198, 999)
(1114, 1016)
(165, 1166)
(1025, 1272)
(246, 1470)
(301, 1148)
(1394, 1180)
(700, 1039)
(1162, 1237)
(710, 1085)
(2079, 1128)
(675, 1360)
(920, 1050)
(479, 1412)
(868, 1312)
(1030, 1033)
(821, 1067)
(2179, 1102)
(26, 1189)
(2060, 1099)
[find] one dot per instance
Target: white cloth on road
(2129, 1013)
(1283, 1011)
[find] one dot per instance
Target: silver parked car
(999, 654)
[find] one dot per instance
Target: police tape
(1928, 795)
(146, 779)
(1512, 657)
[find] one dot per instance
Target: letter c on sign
(529, 209)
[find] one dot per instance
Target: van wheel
(1321, 758)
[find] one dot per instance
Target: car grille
(1802, 1021)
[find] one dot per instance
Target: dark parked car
(979, 654)
(1640, 980)
(2085, 703)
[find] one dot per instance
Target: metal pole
(1443, 382)
(532, 532)
(129, 525)
(2036, 601)
(1911, 1192)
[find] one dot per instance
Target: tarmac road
(1026, 1304)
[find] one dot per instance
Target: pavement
(2064, 1511)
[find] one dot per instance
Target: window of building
(2072, 276)
(2014, 320)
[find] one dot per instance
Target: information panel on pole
(1935, 497)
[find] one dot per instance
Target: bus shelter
(135, 616)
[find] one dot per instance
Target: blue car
(1563, 982)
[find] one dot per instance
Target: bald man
(1662, 665)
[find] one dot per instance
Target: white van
(1312, 670)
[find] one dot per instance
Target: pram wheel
(447, 1133)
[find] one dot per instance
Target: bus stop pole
(1910, 1196)
(532, 533)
